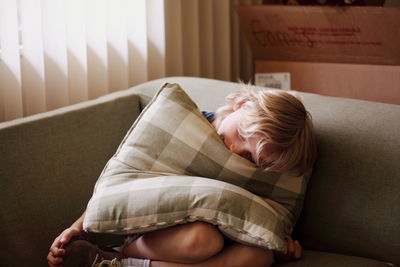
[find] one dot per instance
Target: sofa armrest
(49, 165)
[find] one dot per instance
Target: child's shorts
(130, 238)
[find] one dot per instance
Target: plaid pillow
(172, 168)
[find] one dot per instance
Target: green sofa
(351, 215)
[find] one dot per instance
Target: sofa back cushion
(352, 201)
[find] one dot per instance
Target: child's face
(228, 129)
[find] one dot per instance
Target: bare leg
(235, 255)
(187, 243)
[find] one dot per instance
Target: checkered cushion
(172, 168)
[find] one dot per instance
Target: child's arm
(56, 251)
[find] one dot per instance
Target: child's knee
(202, 241)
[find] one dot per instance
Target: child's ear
(238, 105)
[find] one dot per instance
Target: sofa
(51, 161)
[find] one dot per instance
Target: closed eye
(246, 155)
(240, 136)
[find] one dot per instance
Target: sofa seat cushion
(326, 259)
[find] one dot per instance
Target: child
(270, 128)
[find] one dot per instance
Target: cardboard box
(348, 52)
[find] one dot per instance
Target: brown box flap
(366, 35)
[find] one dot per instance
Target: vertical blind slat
(156, 39)
(32, 60)
(191, 33)
(55, 54)
(137, 42)
(117, 45)
(10, 78)
(222, 39)
(235, 41)
(97, 60)
(206, 38)
(173, 37)
(76, 52)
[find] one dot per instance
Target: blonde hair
(282, 121)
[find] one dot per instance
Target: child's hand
(294, 251)
(54, 258)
